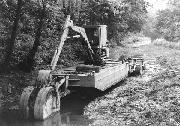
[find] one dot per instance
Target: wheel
(138, 70)
(144, 67)
(46, 103)
(24, 101)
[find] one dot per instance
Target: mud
(151, 99)
(71, 114)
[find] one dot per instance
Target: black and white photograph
(89, 62)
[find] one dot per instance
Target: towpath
(151, 99)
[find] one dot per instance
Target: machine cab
(97, 36)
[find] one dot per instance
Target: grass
(138, 102)
(163, 42)
(142, 102)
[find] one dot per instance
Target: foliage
(167, 44)
(151, 99)
(149, 28)
(121, 17)
(133, 38)
(168, 23)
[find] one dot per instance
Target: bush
(72, 52)
(165, 43)
(132, 38)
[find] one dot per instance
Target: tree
(46, 14)
(121, 16)
(168, 23)
(40, 25)
(174, 4)
(149, 28)
(11, 42)
(27, 63)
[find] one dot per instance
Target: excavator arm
(80, 30)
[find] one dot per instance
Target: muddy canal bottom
(72, 108)
(151, 99)
(75, 105)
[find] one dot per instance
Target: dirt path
(152, 99)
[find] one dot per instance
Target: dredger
(98, 71)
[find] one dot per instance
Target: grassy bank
(148, 100)
(163, 42)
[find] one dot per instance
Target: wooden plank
(88, 68)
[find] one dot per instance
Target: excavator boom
(43, 98)
(80, 30)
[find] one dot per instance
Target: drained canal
(152, 98)
(72, 108)
(71, 114)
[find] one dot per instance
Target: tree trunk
(11, 42)
(27, 64)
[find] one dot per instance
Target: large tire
(24, 102)
(138, 70)
(144, 67)
(45, 104)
